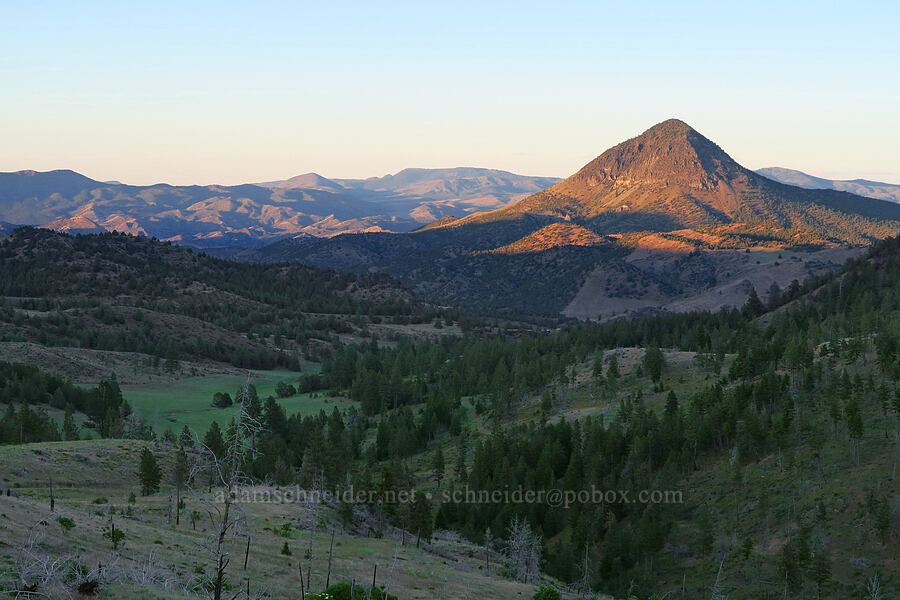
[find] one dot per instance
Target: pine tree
(884, 398)
(214, 441)
(422, 518)
(69, 428)
(612, 372)
(754, 306)
(437, 466)
(671, 411)
(789, 568)
(149, 473)
(180, 479)
(774, 295)
(883, 519)
(169, 436)
(186, 438)
(253, 405)
(654, 363)
(461, 448)
(821, 571)
(111, 426)
(854, 424)
(598, 369)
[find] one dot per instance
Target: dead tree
(523, 551)
(488, 543)
(302, 590)
(226, 515)
(586, 571)
(309, 561)
(330, 554)
(390, 577)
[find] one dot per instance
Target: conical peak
(670, 127)
(669, 153)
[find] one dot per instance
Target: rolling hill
(132, 294)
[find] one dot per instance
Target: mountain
(673, 178)
(309, 181)
(426, 195)
(659, 222)
(63, 182)
(198, 215)
(861, 187)
(251, 215)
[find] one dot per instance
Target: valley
(469, 301)
(663, 324)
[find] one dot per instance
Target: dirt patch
(656, 280)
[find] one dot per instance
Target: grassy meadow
(188, 401)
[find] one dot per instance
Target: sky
(230, 92)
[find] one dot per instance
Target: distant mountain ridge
(250, 214)
(200, 215)
(861, 187)
(426, 195)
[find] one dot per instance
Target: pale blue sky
(194, 92)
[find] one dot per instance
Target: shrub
(341, 591)
(377, 593)
(222, 400)
(115, 536)
(546, 592)
(66, 523)
(285, 390)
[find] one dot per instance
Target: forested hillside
(126, 293)
(783, 441)
(769, 435)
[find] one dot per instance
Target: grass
(189, 401)
(83, 471)
(726, 501)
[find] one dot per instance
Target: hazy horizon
(228, 94)
(875, 177)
